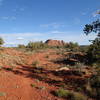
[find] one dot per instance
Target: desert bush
(93, 52)
(96, 65)
(21, 46)
(36, 45)
(12, 60)
(61, 93)
(79, 89)
(78, 96)
(1, 67)
(41, 87)
(2, 94)
(38, 87)
(95, 85)
(47, 56)
(70, 95)
(9, 69)
(1, 41)
(72, 46)
(91, 93)
(84, 48)
(33, 85)
(79, 65)
(95, 80)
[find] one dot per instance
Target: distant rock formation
(51, 42)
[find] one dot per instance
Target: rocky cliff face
(55, 42)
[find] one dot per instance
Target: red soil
(16, 83)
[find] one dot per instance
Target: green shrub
(95, 79)
(1, 67)
(42, 87)
(70, 95)
(2, 94)
(9, 69)
(78, 89)
(33, 85)
(93, 52)
(47, 56)
(21, 46)
(95, 84)
(61, 93)
(83, 48)
(78, 96)
(1, 41)
(36, 45)
(72, 46)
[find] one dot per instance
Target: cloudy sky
(22, 21)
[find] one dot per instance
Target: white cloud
(57, 32)
(73, 36)
(8, 18)
(20, 38)
(53, 25)
(23, 38)
(19, 34)
(17, 9)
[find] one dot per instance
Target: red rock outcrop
(55, 42)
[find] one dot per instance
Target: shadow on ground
(61, 77)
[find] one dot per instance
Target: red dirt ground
(16, 84)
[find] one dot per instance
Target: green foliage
(1, 41)
(2, 94)
(70, 95)
(42, 87)
(21, 46)
(94, 49)
(78, 96)
(94, 27)
(33, 85)
(9, 69)
(1, 67)
(38, 87)
(36, 45)
(94, 83)
(93, 52)
(61, 93)
(72, 46)
(83, 48)
(47, 56)
(95, 80)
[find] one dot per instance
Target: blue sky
(22, 21)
